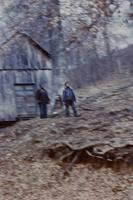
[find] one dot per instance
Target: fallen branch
(65, 156)
(69, 167)
(91, 155)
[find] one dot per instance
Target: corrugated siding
(7, 100)
(17, 92)
(25, 53)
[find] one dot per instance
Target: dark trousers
(43, 110)
(72, 105)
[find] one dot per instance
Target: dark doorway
(25, 100)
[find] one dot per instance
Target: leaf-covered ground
(104, 131)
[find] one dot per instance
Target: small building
(25, 66)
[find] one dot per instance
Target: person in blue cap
(69, 100)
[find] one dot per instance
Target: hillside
(73, 158)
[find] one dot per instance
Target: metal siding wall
(21, 77)
(8, 79)
(7, 100)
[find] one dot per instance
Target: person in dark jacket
(42, 99)
(69, 99)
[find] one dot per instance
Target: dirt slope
(32, 152)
